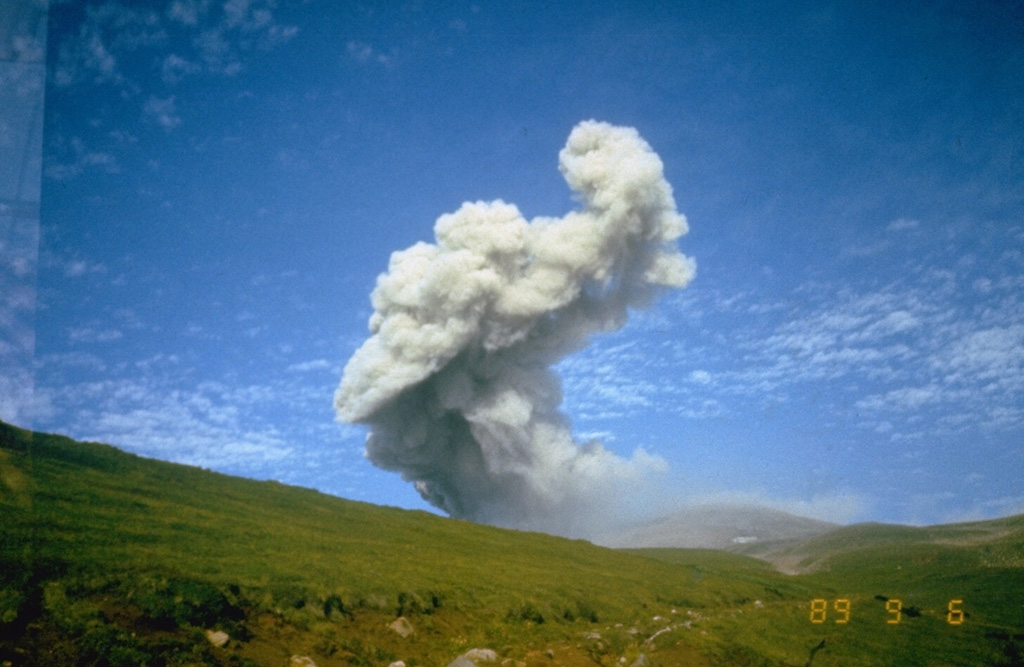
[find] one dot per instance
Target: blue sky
(222, 183)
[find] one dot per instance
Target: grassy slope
(1000, 542)
(924, 568)
(108, 558)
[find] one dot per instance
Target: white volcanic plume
(455, 381)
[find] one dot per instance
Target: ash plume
(455, 381)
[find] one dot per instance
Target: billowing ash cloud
(456, 381)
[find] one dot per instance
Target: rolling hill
(107, 558)
(998, 543)
(718, 526)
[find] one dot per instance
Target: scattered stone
(462, 661)
(478, 655)
(402, 626)
(218, 638)
(301, 661)
(758, 604)
(397, 663)
(549, 653)
(596, 636)
(641, 661)
(509, 662)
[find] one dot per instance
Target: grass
(109, 558)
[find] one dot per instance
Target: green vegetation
(110, 559)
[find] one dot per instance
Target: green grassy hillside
(110, 559)
(998, 543)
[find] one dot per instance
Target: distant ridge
(718, 526)
(1000, 543)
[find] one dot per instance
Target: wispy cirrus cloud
(77, 158)
(19, 238)
(140, 55)
(74, 268)
(153, 409)
(203, 37)
(315, 365)
(91, 335)
(162, 111)
(940, 350)
(364, 53)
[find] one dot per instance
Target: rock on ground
(462, 661)
(478, 655)
(402, 626)
(218, 638)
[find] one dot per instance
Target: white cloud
(187, 12)
(700, 377)
(917, 340)
(91, 335)
(99, 58)
(175, 68)
(155, 406)
(601, 382)
(309, 366)
(17, 395)
(216, 52)
(70, 158)
(210, 425)
(995, 353)
(698, 408)
(74, 268)
(923, 357)
(238, 14)
(190, 38)
(895, 322)
(364, 53)
(907, 398)
(162, 111)
(191, 432)
(902, 224)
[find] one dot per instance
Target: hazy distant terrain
(719, 526)
(110, 559)
(998, 543)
